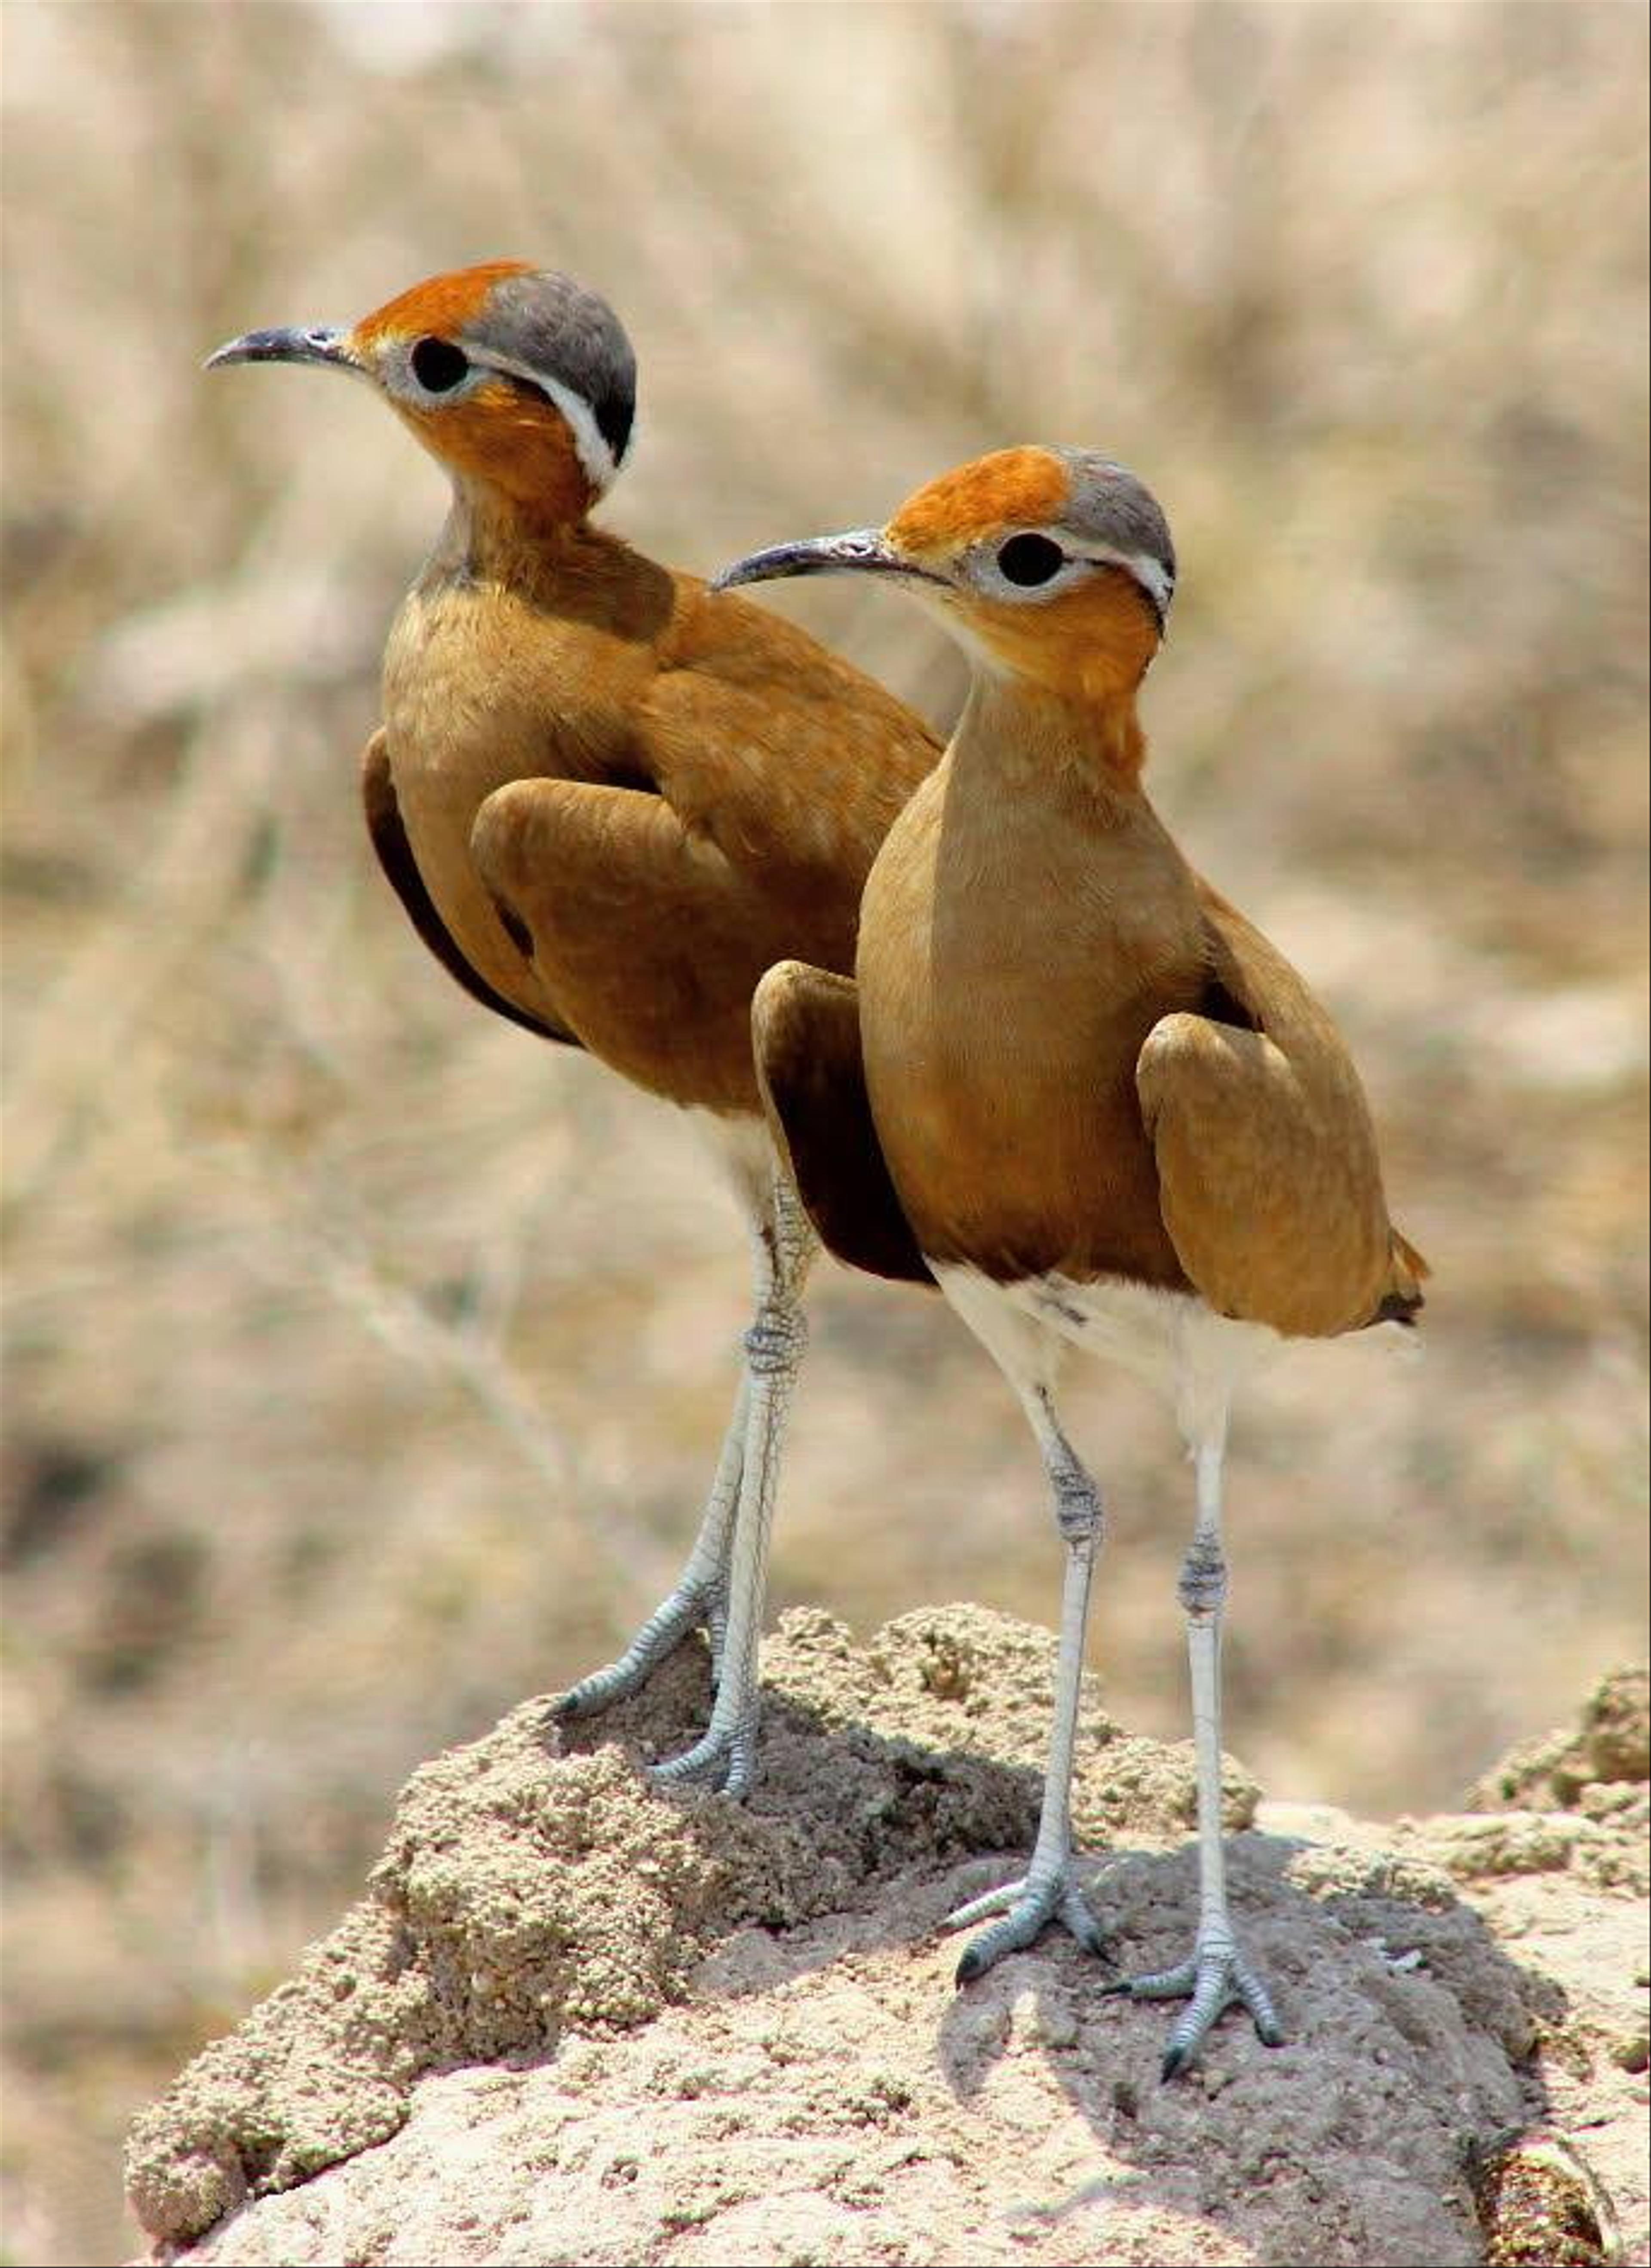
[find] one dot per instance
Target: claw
(688, 1607)
(1216, 1978)
(731, 1755)
(1075, 1912)
(1027, 1907)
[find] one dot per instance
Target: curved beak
(316, 343)
(861, 551)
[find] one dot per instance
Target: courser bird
(608, 804)
(1074, 1082)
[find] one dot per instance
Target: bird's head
(514, 378)
(1053, 565)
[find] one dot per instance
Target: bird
(1072, 1079)
(607, 804)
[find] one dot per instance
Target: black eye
(1028, 559)
(439, 365)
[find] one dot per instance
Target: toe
(1074, 1911)
(977, 1960)
(1217, 1982)
(725, 1759)
(1026, 1911)
(1249, 1988)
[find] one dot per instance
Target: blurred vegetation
(364, 1361)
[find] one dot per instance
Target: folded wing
(400, 870)
(1269, 1181)
(804, 1026)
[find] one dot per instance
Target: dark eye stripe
(615, 414)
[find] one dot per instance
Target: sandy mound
(583, 2021)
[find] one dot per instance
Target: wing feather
(649, 939)
(1269, 1177)
(767, 744)
(400, 870)
(806, 1028)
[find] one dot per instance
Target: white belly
(1193, 1357)
(741, 1144)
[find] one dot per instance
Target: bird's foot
(692, 1605)
(724, 1755)
(1043, 1895)
(1216, 1978)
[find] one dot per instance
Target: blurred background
(365, 1361)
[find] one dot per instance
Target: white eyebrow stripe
(590, 442)
(1148, 570)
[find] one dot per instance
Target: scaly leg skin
(1049, 1891)
(786, 1247)
(1218, 1976)
(699, 1599)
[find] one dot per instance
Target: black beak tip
(861, 549)
(778, 563)
(316, 343)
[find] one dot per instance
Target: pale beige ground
(579, 2021)
(363, 1362)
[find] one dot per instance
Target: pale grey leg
(785, 1248)
(699, 1598)
(1049, 1890)
(1218, 1976)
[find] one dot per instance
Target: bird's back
(626, 802)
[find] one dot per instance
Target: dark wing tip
(806, 1029)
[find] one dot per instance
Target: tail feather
(1406, 1257)
(1401, 1301)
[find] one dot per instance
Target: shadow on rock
(535, 1884)
(1409, 2035)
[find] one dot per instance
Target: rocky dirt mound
(580, 2021)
